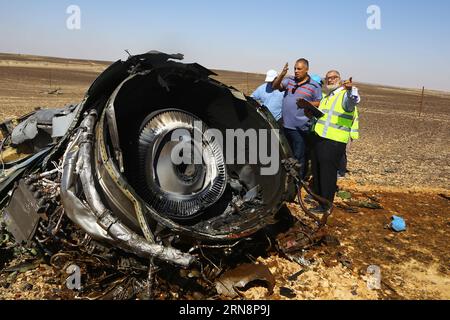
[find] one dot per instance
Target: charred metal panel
(21, 215)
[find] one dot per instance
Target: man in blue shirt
(267, 96)
(297, 126)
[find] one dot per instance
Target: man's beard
(330, 88)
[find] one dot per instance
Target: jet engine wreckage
(97, 177)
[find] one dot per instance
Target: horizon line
(107, 62)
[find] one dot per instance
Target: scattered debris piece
(54, 92)
(241, 276)
(347, 208)
(345, 195)
(24, 266)
(346, 262)
(298, 238)
(330, 262)
(368, 204)
(398, 224)
(301, 260)
(288, 293)
(330, 241)
(295, 276)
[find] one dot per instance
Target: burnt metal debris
(90, 183)
(228, 283)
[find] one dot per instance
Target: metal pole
(422, 101)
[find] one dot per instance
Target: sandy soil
(401, 160)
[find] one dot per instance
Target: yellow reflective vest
(354, 134)
(337, 124)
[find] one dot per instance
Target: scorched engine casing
(117, 182)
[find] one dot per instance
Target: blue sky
(412, 49)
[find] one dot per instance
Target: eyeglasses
(294, 89)
(332, 78)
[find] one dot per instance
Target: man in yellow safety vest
(332, 132)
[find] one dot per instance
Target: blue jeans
(298, 141)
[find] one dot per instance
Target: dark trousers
(299, 141)
(326, 157)
(342, 171)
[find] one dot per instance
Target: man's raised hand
(285, 70)
(348, 84)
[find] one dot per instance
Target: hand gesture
(348, 84)
(285, 70)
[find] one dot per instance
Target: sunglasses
(294, 89)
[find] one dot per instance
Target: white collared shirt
(351, 99)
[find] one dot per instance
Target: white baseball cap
(271, 75)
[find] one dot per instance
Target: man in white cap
(267, 96)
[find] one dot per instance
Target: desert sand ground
(401, 162)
